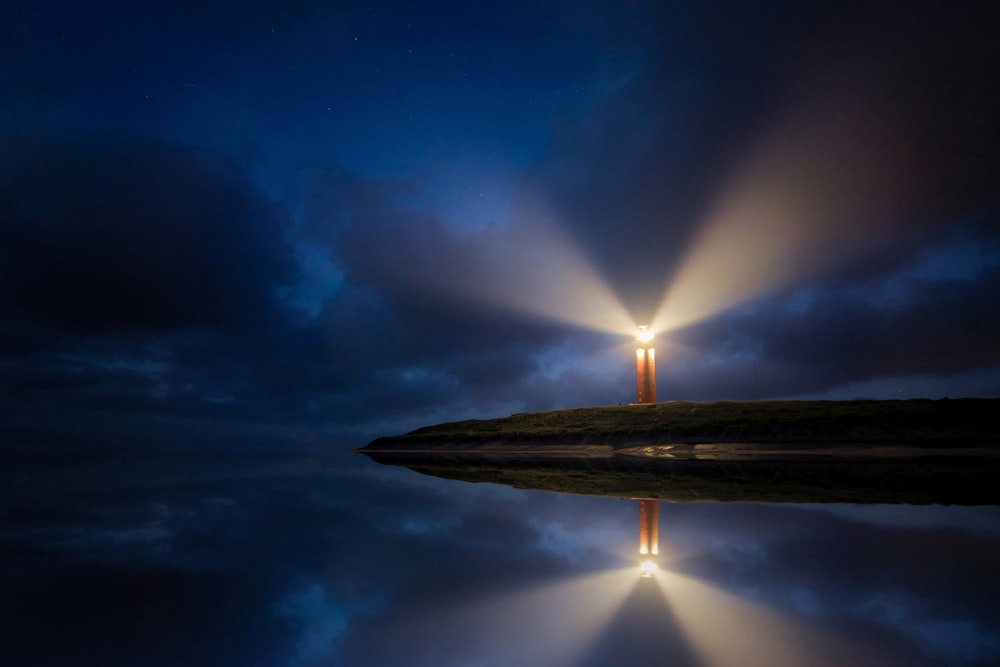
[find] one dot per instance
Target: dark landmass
(969, 421)
(913, 451)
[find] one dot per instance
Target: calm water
(302, 560)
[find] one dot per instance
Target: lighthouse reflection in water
(649, 516)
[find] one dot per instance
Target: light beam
(529, 266)
(726, 629)
(823, 186)
(553, 624)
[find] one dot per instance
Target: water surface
(281, 559)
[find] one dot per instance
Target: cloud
(154, 288)
(123, 234)
(138, 277)
(837, 332)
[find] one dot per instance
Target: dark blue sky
(323, 222)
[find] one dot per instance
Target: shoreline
(898, 452)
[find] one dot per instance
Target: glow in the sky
(822, 188)
(551, 279)
(531, 266)
(824, 185)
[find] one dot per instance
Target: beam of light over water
(551, 625)
(724, 629)
(643, 632)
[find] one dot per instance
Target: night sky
(320, 222)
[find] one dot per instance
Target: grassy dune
(966, 422)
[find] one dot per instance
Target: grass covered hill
(969, 422)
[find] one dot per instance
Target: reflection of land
(912, 475)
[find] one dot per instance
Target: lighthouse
(645, 367)
(645, 392)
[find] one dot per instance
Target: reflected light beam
(548, 625)
(725, 629)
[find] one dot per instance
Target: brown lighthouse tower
(645, 367)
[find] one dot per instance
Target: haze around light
(824, 185)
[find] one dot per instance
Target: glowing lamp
(644, 335)
(648, 567)
(645, 366)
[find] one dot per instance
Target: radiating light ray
(527, 266)
(563, 617)
(825, 185)
(642, 632)
(549, 625)
(724, 629)
(543, 273)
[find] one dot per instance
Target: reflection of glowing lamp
(649, 519)
(645, 367)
